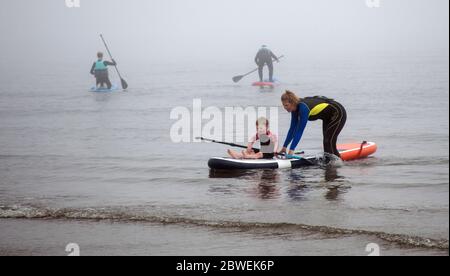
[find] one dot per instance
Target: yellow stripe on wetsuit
(318, 108)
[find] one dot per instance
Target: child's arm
(251, 142)
(275, 141)
(250, 148)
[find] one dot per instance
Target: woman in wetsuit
(332, 114)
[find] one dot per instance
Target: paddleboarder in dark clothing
(100, 71)
(265, 57)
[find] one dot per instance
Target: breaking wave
(133, 216)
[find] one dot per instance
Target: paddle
(124, 83)
(238, 78)
(224, 143)
(238, 146)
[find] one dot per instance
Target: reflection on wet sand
(334, 183)
(269, 183)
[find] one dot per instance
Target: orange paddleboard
(264, 84)
(356, 151)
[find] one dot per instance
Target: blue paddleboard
(114, 87)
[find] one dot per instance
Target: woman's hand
(283, 151)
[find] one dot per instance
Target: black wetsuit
(102, 75)
(332, 113)
(264, 57)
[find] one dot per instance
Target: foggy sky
(206, 30)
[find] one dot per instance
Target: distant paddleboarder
(100, 71)
(265, 57)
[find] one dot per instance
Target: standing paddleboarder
(100, 71)
(265, 57)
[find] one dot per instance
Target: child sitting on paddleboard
(268, 141)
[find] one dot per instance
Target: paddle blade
(124, 84)
(237, 78)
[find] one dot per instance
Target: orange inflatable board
(356, 151)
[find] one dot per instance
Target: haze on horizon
(210, 30)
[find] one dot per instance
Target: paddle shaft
(238, 146)
(109, 52)
(228, 144)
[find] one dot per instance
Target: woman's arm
(251, 142)
(304, 116)
(290, 135)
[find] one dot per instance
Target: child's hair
(99, 54)
(290, 97)
(262, 121)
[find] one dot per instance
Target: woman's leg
(332, 127)
(338, 130)
(326, 137)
